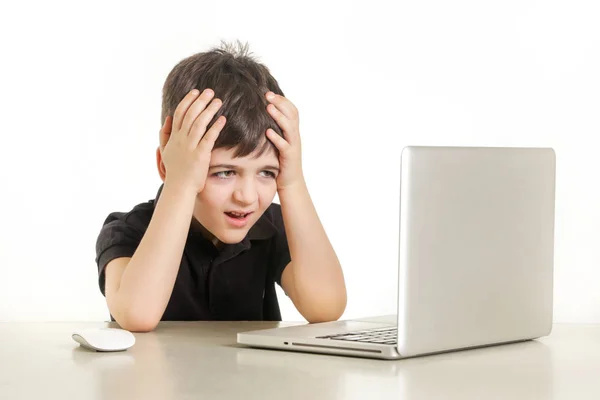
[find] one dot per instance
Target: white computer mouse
(104, 339)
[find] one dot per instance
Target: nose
(245, 193)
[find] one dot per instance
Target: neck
(206, 233)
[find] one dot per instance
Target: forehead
(226, 156)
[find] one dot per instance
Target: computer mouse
(104, 339)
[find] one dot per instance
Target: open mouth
(236, 215)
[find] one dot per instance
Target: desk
(200, 360)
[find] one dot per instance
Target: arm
(138, 289)
(314, 280)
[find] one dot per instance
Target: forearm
(147, 282)
(320, 291)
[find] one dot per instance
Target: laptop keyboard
(379, 336)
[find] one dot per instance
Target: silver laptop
(475, 263)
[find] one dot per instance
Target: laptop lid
(476, 247)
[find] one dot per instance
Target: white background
(80, 99)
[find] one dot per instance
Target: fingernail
(195, 92)
(270, 95)
(208, 92)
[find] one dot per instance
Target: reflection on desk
(202, 360)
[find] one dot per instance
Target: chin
(232, 238)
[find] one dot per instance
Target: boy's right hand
(187, 152)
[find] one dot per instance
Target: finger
(279, 142)
(283, 104)
(284, 123)
(197, 107)
(199, 127)
(165, 131)
(182, 108)
(210, 137)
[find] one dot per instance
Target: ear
(165, 133)
(162, 172)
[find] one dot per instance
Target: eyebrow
(230, 166)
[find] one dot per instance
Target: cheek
(267, 193)
(214, 194)
(206, 204)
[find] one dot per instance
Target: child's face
(244, 184)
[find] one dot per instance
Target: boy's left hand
(290, 154)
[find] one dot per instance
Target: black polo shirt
(234, 282)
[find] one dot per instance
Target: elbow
(316, 319)
(327, 311)
(137, 323)
(140, 327)
(133, 316)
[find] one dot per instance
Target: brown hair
(240, 82)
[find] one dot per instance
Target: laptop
(475, 265)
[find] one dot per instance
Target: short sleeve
(117, 238)
(281, 252)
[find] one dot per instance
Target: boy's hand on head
(290, 154)
(187, 152)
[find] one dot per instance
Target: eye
(223, 174)
(268, 174)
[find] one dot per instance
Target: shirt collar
(261, 230)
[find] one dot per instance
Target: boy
(212, 244)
